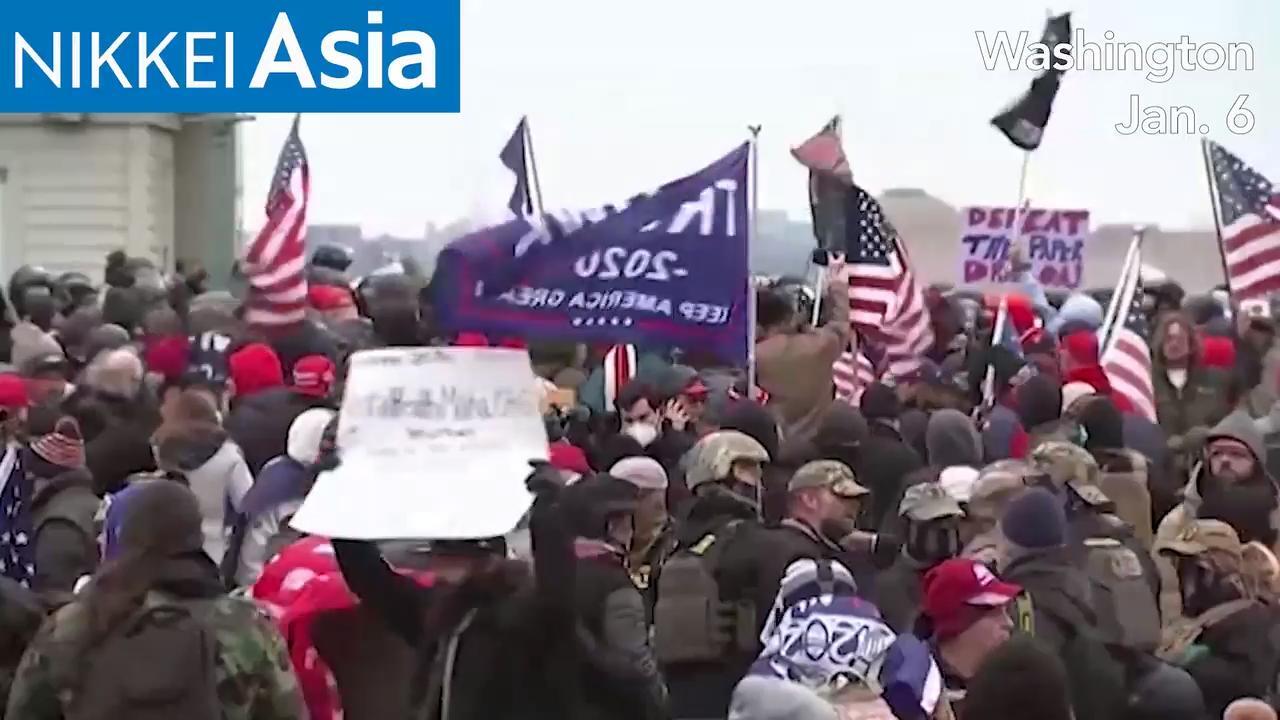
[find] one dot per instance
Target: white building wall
(75, 191)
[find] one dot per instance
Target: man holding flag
(794, 363)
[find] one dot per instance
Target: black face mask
(1203, 588)
(932, 542)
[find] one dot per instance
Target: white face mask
(642, 432)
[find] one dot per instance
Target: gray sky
(623, 97)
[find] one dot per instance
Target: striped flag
(886, 306)
(620, 365)
(1126, 354)
(275, 261)
(1249, 212)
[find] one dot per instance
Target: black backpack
(158, 664)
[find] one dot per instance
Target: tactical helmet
(714, 455)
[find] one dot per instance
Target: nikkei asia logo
(239, 56)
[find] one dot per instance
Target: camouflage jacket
(254, 673)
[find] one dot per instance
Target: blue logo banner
(667, 268)
(230, 56)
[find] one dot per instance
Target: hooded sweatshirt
(217, 474)
(1195, 505)
(951, 440)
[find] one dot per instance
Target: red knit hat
(330, 297)
(569, 458)
(13, 392)
(1082, 346)
(167, 356)
(1218, 352)
(255, 367)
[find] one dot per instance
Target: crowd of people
(699, 546)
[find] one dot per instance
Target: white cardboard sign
(435, 443)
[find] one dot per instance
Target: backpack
(159, 663)
(691, 622)
(1128, 614)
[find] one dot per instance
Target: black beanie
(1039, 401)
(880, 402)
(1103, 425)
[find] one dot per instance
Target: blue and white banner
(668, 268)
(230, 56)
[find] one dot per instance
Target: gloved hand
(1193, 440)
(544, 482)
(837, 529)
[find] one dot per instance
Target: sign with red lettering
(1053, 242)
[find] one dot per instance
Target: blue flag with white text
(668, 267)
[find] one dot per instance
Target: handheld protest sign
(434, 443)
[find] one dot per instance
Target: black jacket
(63, 508)
(1060, 594)
(703, 690)
(899, 593)
(621, 679)
(259, 423)
(884, 461)
(117, 434)
(1242, 660)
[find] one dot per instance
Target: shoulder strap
(1217, 614)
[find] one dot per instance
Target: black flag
(513, 156)
(1024, 121)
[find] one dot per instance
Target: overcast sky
(623, 97)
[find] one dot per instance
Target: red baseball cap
(13, 392)
(958, 591)
(330, 297)
(314, 376)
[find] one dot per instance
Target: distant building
(76, 186)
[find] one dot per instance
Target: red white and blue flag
(275, 262)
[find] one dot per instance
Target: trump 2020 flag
(1024, 121)
(667, 268)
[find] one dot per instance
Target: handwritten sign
(1053, 240)
(434, 443)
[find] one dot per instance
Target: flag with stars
(275, 261)
(886, 306)
(1249, 214)
(1126, 352)
(17, 556)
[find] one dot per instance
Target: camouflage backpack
(157, 664)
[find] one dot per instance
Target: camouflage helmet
(996, 485)
(713, 457)
(1069, 465)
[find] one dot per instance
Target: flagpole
(1217, 210)
(533, 166)
(1021, 213)
(754, 159)
(1112, 316)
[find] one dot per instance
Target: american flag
(275, 262)
(1126, 353)
(17, 555)
(886, 307)
(1250, 215)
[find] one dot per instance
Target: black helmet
(337, 257)
(589, 502)
(23, 278)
